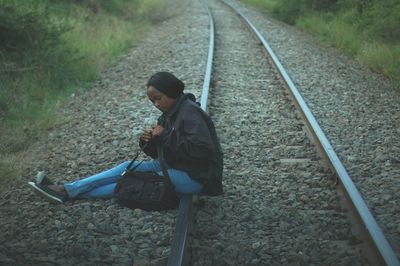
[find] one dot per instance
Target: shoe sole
(44, 194)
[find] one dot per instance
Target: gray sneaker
(51, 195)
(45, 181)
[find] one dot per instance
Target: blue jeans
(102, 184)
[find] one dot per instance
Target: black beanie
(167, 84)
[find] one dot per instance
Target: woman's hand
(157, 131)
(147, 135)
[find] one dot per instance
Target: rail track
(278, 193)
(280, 206)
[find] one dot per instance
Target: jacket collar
(176, 106)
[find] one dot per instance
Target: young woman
(190, 146)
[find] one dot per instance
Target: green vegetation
(50, 48)
(365, 29)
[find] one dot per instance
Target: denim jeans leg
(180, 179)
(102, 184)
(182, 182)
(89, 183)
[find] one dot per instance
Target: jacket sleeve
(149, 148)
(190, 141)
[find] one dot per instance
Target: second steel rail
(371, 231)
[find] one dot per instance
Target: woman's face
(161, 101)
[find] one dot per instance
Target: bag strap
(127, 169)
(160, 153)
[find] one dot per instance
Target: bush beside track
(50, 49)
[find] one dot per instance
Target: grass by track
(39, 75)
(367, 31)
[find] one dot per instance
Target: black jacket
(190, 144)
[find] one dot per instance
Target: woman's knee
(183, 182)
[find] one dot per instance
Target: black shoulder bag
(146, 190)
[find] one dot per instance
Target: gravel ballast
(358, 109)
(267, 192)
(100, 129)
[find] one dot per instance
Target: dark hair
(167, 84)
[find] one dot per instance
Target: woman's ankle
(58, 188)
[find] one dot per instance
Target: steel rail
(372, 232)
(207, 77)
(180, 248)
